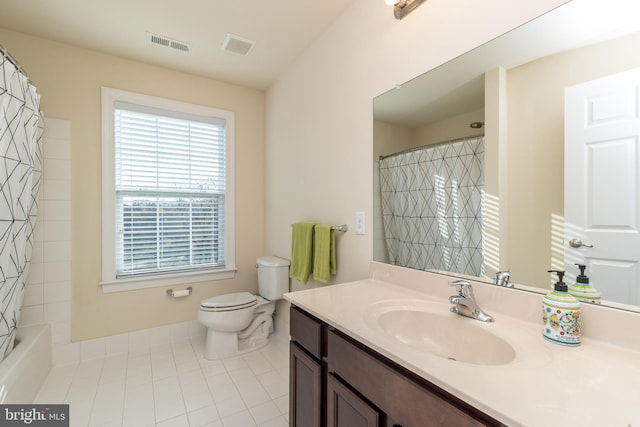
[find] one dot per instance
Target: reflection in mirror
(515, 85)
(432, 201)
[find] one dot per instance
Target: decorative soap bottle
(561, 314)
(582, 290)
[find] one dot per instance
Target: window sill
(156, 281)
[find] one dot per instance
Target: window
(167, 192)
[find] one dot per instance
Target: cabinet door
(305, 389)
(346, 409)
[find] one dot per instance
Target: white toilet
(241, 322)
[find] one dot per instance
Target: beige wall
(387, 139)
(390, 138)
(451, 128)
(536, 149)
(319, 113)
(69, 81)
(317, 161)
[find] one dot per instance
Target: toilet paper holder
(179, 294)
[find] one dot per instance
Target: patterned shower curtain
(20, 171)
(433, 207)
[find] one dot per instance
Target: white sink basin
(430, 327)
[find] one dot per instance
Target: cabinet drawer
(408, 402)
(306, 331)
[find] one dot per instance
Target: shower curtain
(433, 207)
(20, 171)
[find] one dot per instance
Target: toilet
(240, 322)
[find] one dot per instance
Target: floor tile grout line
(105, 370)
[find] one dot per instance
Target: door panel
(346, 409)
(602, 183)
(612, 199)
(305, 389)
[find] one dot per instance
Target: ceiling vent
(237, 44)
(167, 42)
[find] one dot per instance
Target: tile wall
(47, 295)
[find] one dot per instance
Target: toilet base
(223, 347)
(220, 345)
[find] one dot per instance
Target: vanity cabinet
(338, 382)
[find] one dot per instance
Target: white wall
(319, 114)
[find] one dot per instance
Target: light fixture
(402, 8)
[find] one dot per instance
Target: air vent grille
(237, 44)
(168, 42)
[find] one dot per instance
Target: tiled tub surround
(47, 296)
(547, 384)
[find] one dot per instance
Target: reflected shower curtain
(20, 172)
(433, 207)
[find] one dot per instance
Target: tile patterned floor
(174, 385)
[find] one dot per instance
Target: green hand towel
(301, 251)
(324, 253)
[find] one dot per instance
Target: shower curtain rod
(11, 59)
(450, 141)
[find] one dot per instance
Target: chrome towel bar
(342, 228)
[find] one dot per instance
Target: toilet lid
(235, 300)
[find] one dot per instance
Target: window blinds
(170, 191)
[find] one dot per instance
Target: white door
(602, 184)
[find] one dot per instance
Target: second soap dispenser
(582, 290)
(561, 314)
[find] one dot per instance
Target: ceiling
(282, 30)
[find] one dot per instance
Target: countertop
(595, 384)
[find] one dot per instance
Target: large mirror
(512, 92)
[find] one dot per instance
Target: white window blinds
(170, 191)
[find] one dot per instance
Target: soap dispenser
(561, 314)
(582, 290)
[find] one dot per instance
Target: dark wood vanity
(335, 381)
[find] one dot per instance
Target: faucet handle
(462, 286)
(501, 278)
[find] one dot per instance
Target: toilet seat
(229, 302)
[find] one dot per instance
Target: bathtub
(24, 370)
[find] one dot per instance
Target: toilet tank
(273, 277)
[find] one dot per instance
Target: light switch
(359, 222)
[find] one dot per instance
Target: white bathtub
(24, 370)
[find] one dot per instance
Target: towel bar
(343, 228)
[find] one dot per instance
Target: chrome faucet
(502, 278)
(465, 303)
